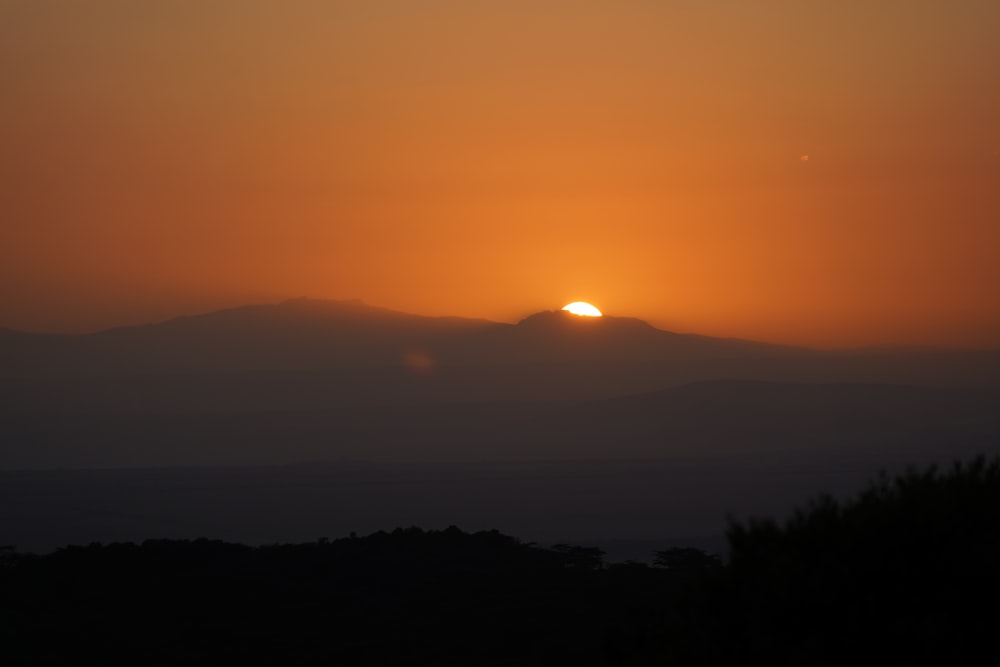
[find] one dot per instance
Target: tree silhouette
(909, 570)
(583, 558)
(687, 561)
(408, 596)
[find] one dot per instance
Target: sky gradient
(821, 173)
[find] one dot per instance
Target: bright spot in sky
(582, 308)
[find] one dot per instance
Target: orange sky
(493, 159)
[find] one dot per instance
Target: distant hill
(304, 334)
(735, 420)
(318, 351)
(348, 358)
(294, 335)
(557, 337)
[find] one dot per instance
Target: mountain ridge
(312, 333)
(315, 351)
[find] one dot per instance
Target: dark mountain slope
(560, 337)
(311, 335)
(369, 354)
(724, 419)
(301, 334)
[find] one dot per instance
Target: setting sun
(582, 308)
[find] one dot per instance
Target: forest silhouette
(904, 572)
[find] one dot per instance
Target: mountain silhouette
(558, 336)
(307, 354)
(305, 334)
(296, 334)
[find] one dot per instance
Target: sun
(582, 308)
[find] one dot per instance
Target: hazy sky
(493, 159)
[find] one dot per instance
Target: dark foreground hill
(905, 573)
(662, 465)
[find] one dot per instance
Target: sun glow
(582, 308)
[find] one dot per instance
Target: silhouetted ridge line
(409, 596)
(307, 334)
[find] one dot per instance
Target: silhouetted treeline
(907, 572)
(406, 597)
